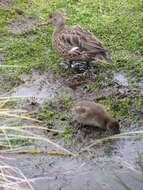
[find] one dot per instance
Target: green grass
(67, 132)
(57, 113)
(117, 23)
(19, 141)
(121, 107)
(54, 109)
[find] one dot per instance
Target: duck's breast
(58, 44)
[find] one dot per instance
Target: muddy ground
(94, 169)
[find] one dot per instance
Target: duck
(75, 43)
(89, 113)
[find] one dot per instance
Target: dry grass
(12, 178)
(130, 134)
(12, 133)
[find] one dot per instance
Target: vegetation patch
(56, 112)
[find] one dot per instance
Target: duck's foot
(80, 66)
(65, 65)
(77, 67)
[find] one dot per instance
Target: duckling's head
(113, 126)
(57, 19)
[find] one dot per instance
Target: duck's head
(57, 19)
(113, 126)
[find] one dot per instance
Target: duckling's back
(90, 113)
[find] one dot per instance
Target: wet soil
(121, 78)
(45, 86)
(95, 169)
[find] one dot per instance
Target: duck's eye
(50, 16)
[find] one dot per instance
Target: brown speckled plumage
(75, 43)
(91, 113)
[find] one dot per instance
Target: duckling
(94, 114)
(75, 43)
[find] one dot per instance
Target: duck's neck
(60, 27)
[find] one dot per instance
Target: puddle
(121, 78)
(51, 172)
(46, 86)
(41, 87)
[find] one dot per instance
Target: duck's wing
(89, 42)
(71, 42)
(77, 40)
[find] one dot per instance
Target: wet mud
(97, 167)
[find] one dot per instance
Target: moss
(63, 117)
(20, 141)
(45, 114)
(67, 131)
(65, 101)
(48, 115)
(54, 110)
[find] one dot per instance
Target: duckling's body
(91, 113)
(75, 43)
